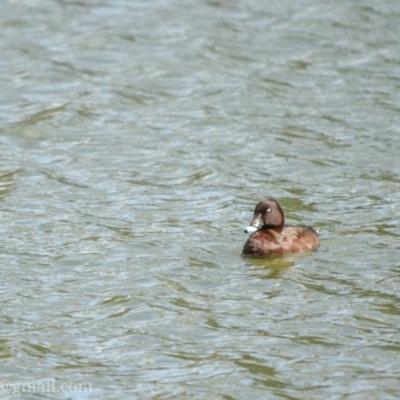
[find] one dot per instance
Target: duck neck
(277, 228)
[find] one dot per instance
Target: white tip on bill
(250, 229)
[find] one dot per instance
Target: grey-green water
(136, 138)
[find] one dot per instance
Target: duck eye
(268, 210)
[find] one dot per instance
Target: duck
(270, 235)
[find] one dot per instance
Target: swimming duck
(271, 236)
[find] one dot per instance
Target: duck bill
(255, 225)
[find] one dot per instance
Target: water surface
(136, 139)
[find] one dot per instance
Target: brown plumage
(271, 236)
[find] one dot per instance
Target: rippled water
(136, 138)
